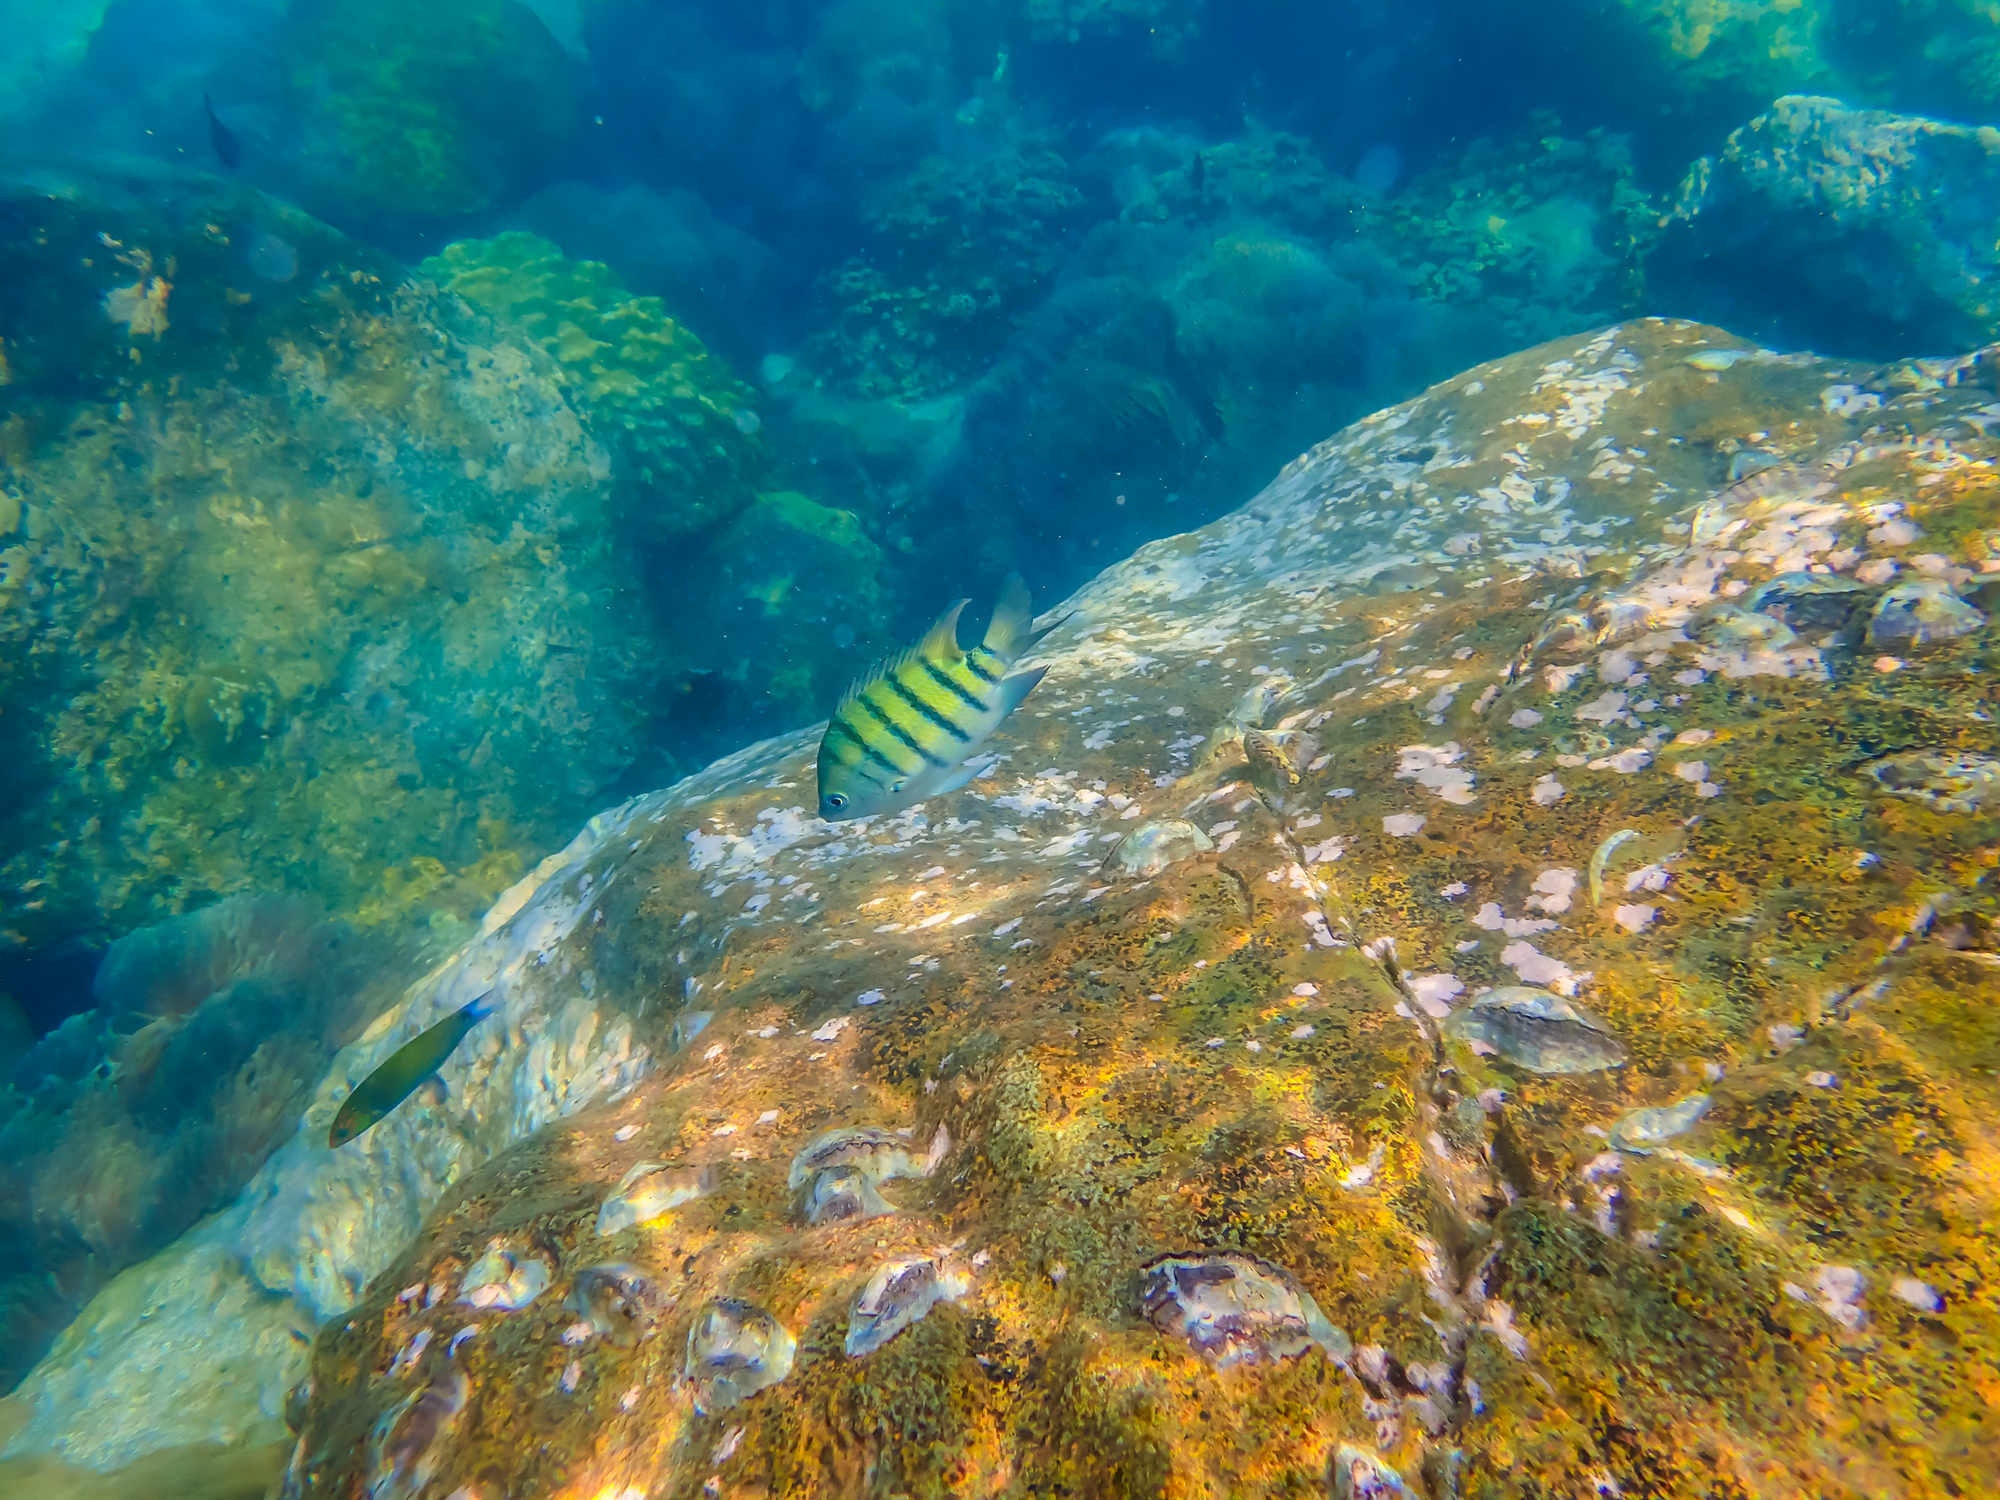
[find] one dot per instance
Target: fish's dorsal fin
(940, 644)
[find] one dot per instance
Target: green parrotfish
(903, 731)
(409, 1066)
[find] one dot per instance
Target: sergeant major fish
(901, 734)
(411, 1064)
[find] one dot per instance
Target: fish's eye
(834, 799)
(897, 787)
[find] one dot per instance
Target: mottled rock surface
(309, 576)
(1409, 692)
(1858, 230)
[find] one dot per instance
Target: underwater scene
(999, 748)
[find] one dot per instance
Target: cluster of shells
(1231, 1308)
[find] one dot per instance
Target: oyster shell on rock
(1728, 628)
(897, 1296)
(620, 1301)
(502, 1278)
(1922, 612)
(840, 1170)
(1236, 1308)
(649, 1190)
(838, 1194)
(1537, 1030)
(1360, 1475)
(1816, 602)
(1645, 1128)
(1953, 781)
(1278, 761)
(734, 1350)
(1154, 846)
(403, 1449)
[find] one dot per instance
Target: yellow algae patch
(141, 307)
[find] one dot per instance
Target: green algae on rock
(420, 115)
(1236, 1061)
(374, 563)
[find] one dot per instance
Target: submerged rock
(1213, 1055)
(734, 1350)
(373, 604)
(1537, 1030)
(897, 1296)
(1882, 223)
(1236, 1309)
(417, 115)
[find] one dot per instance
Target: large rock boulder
(309, 574)
(1476, 967)
(420, 116)
(1851, 230)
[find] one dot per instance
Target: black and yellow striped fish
(901, 733)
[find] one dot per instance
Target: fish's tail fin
(484, 1006)
(1012, 633)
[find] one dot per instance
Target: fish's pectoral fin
(959, 776)
(433, 1091)
(1014, 689)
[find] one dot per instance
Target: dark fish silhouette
(222, 138)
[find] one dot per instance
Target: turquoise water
(424, 427)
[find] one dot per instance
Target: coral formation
(958, 251)
(1753, 1256)
(654, 395)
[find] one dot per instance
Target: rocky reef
(1472, 977)
(130, 1120)
(308, 574)
(414, 117)
(1842, 227)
